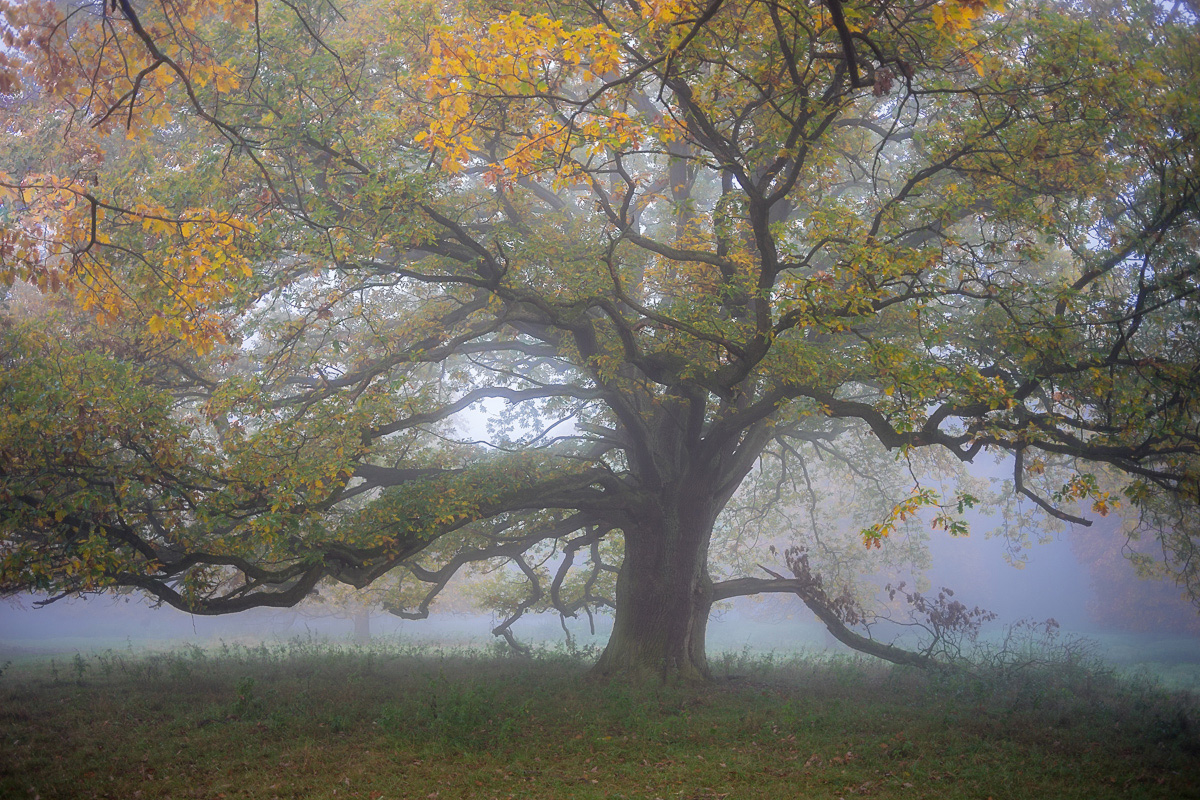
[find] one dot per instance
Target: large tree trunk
(664, 594)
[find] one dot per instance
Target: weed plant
(311, 719)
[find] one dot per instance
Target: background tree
(683, 244)
(1144, 599)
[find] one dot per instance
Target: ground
(312, 720)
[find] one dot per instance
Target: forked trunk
(663, 599)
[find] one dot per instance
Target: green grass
(313, 720)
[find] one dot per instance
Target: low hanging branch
(947, 621)
(1021, 489)
(813, 596)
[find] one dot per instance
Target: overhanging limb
(741, 587)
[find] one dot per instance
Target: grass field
(307, 719)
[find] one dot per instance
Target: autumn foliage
(684, 253)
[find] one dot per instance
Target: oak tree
(676, 249)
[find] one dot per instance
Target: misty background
(1079, 577)
(1162, 640)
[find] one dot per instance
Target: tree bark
(664, 595)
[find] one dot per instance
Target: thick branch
(741, 587)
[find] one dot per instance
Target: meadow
(390, 720)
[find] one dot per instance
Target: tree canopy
(681, 251)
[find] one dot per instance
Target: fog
(1051, 584)
(1045, 580)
